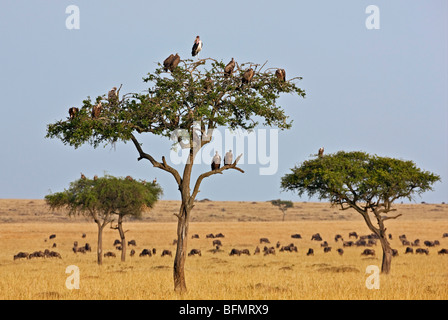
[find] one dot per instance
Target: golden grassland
(285, 275)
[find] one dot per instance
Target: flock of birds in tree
(169, 64)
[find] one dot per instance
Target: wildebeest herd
(354, 240)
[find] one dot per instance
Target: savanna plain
(26, 226)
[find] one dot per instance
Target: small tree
(369, 184)
(283, 205)
(126, 198)
(186, 103)
(102, 198)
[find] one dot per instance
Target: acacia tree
(186, 104)
(126, 198)
(367, 183)
(282, 205)
(102, 198)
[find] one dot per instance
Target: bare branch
(212, 172)
(163, 166)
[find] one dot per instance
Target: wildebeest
(257, 250)
(245, 251)
(368, 252)
(145, 252)
(291, 248)
(402, 237)
(132, 253)
(310, 252)
(52, 254)
(409, 250)
(194, 252)
(109, 254)
(270, 250)
(167, 253)
(117, 242)
(83, 235)
(394, 252)
(219, 235)
(316, 237)
(296, 236)
(353, 234)
(132, 243)
(422, 251)
(340, 251)
(324, 244)
(327, 249)
(405, 242)
(337, 237)
(210, 235)
(416, 243)
(52, 236)
(195, 236)
(445, 235)
(217, 242)
(54, 245)
(278, 244)
(443, 251)
(21, 255)
(264, 240)
(234, 252)
(36, 254)
(154, 251)
(348, 243)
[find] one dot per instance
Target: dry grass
(218, 275)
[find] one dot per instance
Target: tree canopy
(348, 178)
(367, 183)
(195, 91)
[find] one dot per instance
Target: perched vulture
(281, 74)
(83, 177)
(248, 75)
(216, 162)
(167, 63)
(113, 95)
(321, 152)
(228, 70)
(96, 110)
(228, 158)
(171, 62)
(197, 46)
(72, 112)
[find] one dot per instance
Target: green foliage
(283, 205)
(194, 91)
(105, 196)
(350, 177)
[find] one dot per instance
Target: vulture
(197, 46)
(83, 177)
(72, 112)
(113, 95)
(96, 110)
(321, 152)
(281, 74)
(171, 62)
(216, 162)
(248, 75)
(228, 70)
(167, 62)
(228, 158)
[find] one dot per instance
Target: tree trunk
(122, 237)
(387, 254)
(99, 249)
(181, 251)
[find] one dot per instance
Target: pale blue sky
(380, 91)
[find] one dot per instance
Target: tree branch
(164, 166)
(212, 172)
